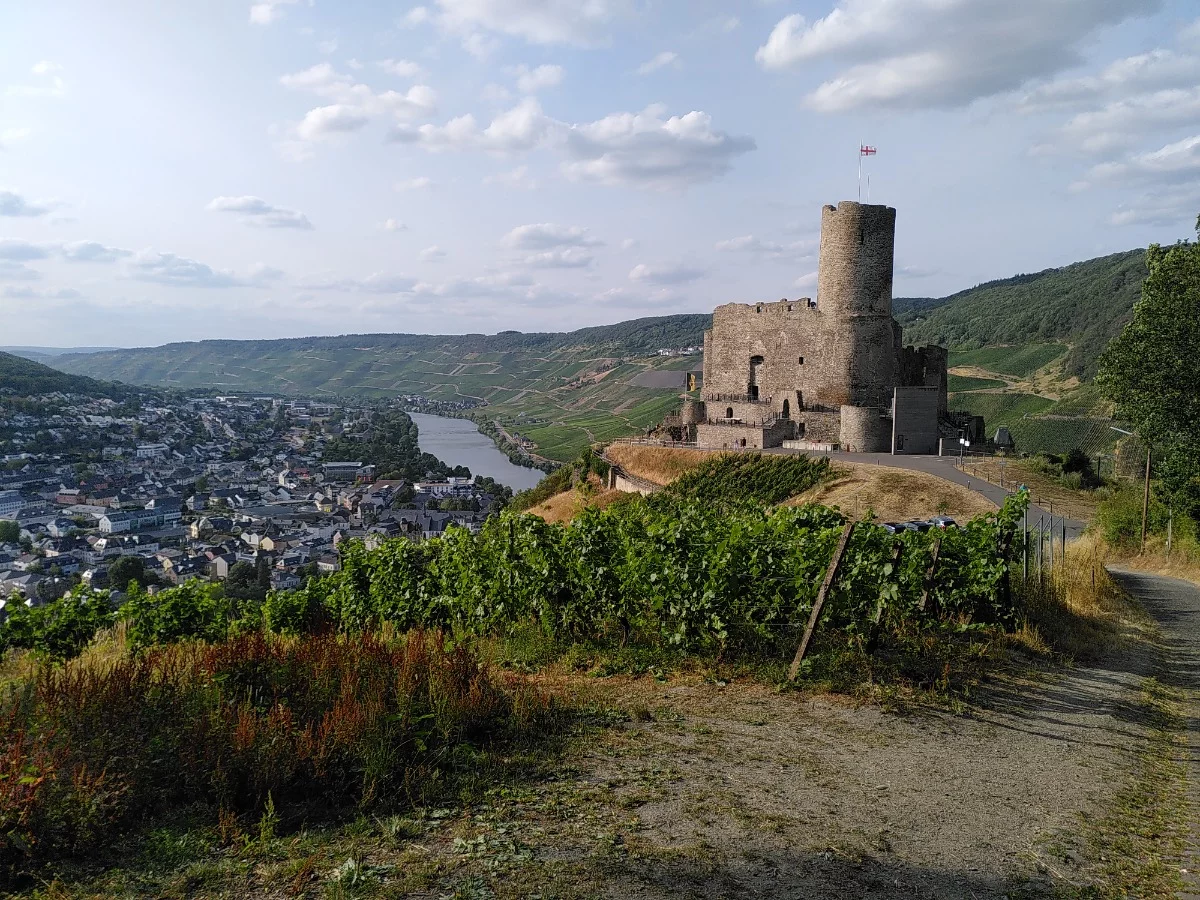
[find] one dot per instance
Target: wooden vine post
(822, 595)
(927, 587)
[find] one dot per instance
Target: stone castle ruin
(827, 373)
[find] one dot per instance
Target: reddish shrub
(325, 717)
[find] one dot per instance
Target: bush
(58, 630)
(1119, 516)
(737, 477)
(322, 720)
(195, 609)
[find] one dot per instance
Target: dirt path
(1175, 605)
(740, 792)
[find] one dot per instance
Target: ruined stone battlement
(810, 364)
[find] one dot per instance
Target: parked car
(943, 522)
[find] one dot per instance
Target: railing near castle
(765, 422)
(735, 398)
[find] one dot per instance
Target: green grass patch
(1000, 409)
(1021, 361)
(970, 383)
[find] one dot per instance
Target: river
(457, 442)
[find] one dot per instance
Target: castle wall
(865, 430)
(915, 420)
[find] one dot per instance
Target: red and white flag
(864, 150)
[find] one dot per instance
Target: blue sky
(232, 169)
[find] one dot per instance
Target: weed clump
(254, 727)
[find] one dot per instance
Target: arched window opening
(787, 409)
(729, 412)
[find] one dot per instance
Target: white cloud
(432, 254)
(13, 204)
(11, 270)
(1175, 206)
(562, 258)
(376, 283)
(514, 178)
(666, 58)
(393, 225)
(480, 45)
(641, 149)
(806, 282)
(268, 11)
(1173, 163)
(354, 105)
(179, 271)
(49, 83)
(327, 47)
(546, 235)
(670, 273)
(913, 54)
(92, 251)
(13, 135)
(523, 127)
(1120, 124)
(630, 244)
(645, 150)
(419, 183)
(749, 243)
(26, 293)
(537, 21)
(256, 211)
(22, 251)
(327, 120)
(418, 15)
(530, 81)
(401, 68)
(1130, 76)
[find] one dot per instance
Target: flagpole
(860, 146)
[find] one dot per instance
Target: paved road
(1175, 605)
(943, 467)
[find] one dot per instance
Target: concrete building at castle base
(824, 373)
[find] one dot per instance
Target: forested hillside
(20, 377)
(1083, 305)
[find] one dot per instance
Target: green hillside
(20, 377)
(1083, 305)
(562, 391)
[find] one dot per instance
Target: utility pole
(1146, 492)
(1146, 500)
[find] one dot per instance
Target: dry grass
(562, 508)
(894, 495)
(662, 465)
(1078, 611)
(1044, 489)
(1184, 561)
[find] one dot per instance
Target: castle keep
(828, 372)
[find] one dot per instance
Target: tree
(245, 581)
(10, 532)
(127, 569)
(202, 484)
(1151, 369)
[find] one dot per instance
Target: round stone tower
(854, 290)
(858, 246)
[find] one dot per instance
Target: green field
(1000, 409)
(968, 383)
(1019, 361)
